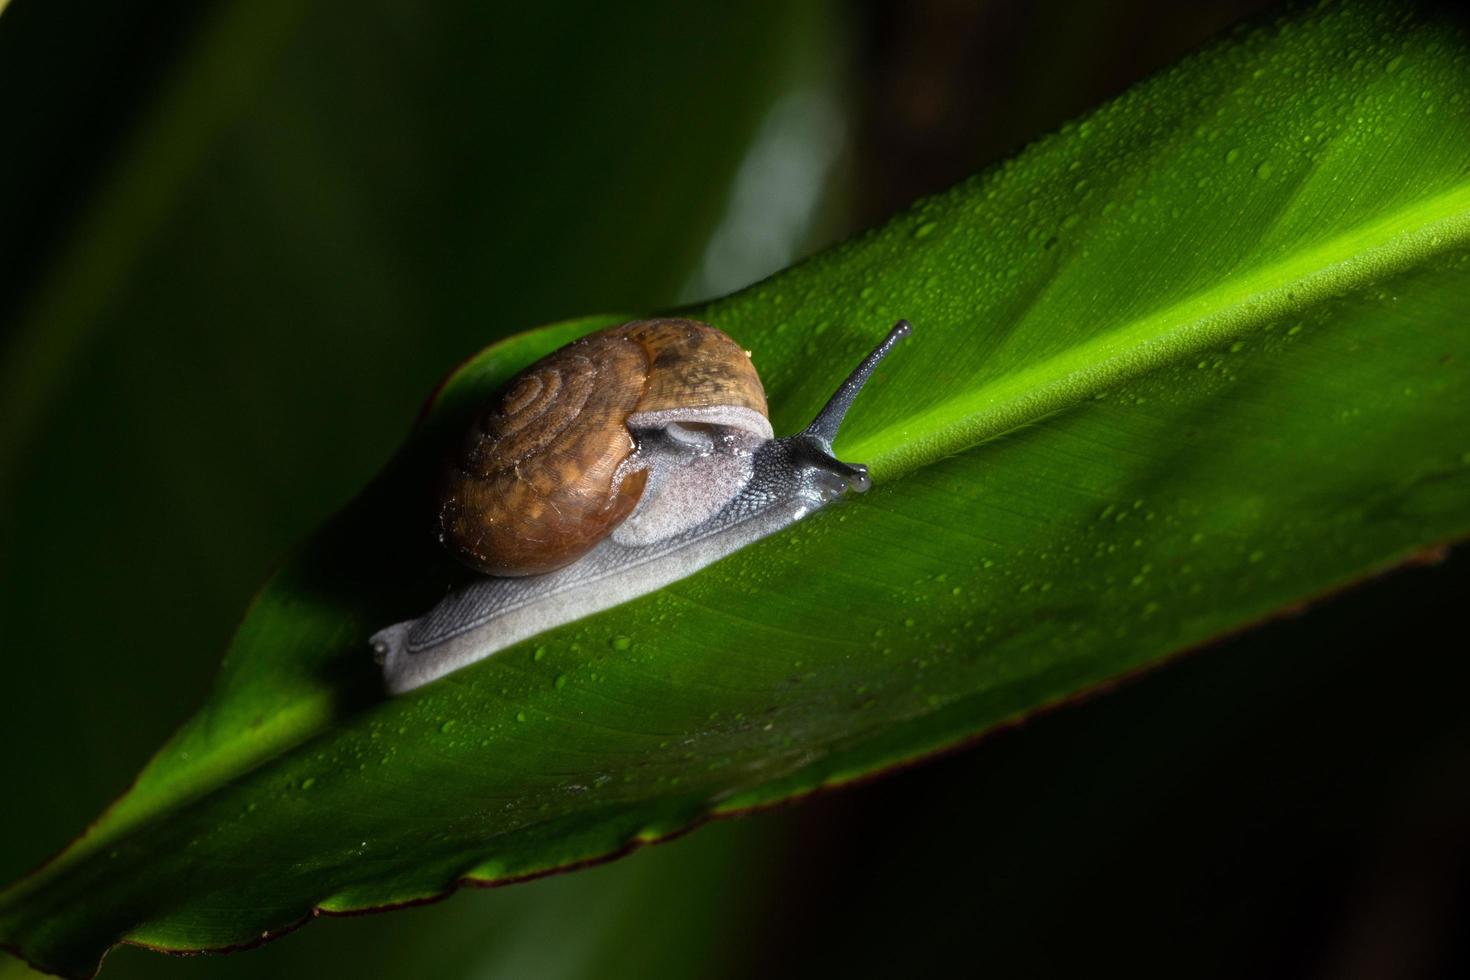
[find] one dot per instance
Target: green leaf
(1182, 365)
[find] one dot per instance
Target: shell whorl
(540, 477)
(691, 365)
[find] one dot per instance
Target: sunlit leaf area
(1136, 656)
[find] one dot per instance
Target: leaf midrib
(1176, 333)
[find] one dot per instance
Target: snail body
(616, 465)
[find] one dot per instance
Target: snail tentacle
(824, 427)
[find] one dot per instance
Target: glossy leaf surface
(1188, 362)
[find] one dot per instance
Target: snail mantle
(624, 461)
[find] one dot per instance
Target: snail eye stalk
(824, 427)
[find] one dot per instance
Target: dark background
(240, 241)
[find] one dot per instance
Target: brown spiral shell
(537, 482)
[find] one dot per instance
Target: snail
(622, 462)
